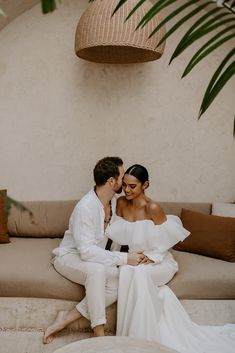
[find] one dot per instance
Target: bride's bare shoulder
(153, 206)
(156, 212)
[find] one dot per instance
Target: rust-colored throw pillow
(212, 236)
(4, 237)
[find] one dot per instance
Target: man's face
(118, 182)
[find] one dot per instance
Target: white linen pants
(100, 281)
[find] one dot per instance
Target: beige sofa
(31, 291)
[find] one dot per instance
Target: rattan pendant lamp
(103, 38)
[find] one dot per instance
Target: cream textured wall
(60, 114)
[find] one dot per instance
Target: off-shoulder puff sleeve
(146, 235)
(163, 236)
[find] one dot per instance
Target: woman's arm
(156, 213)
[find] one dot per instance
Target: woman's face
(131, 186)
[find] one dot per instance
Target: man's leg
(101, 285)
(111, 292)
(111, 285)
(92, 276)
(93, 305)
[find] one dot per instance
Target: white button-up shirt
(86, 235)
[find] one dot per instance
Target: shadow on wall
(114, 81)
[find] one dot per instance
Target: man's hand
(135, 258)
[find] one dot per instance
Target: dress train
(147, 308)
(155, 313)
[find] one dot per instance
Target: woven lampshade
(103, 38)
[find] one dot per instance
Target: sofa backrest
(176, 207)
(51, 218)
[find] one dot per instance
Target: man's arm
(84, 235)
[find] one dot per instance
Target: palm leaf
(224, 78)
(204, 30)
(135, 8)
(173, 14)
(219, 70)
(207, 48)
(183, 42)
(179, 23)
(121, 2)
(234, 127)
(154, 10)
(218, 81)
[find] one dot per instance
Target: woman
(147, 308)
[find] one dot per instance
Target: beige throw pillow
(223, 209)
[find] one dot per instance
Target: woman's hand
(135, 258)
(146, 261)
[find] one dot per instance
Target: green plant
(13, 203)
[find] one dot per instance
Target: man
(83, 256)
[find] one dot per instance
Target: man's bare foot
(57, 326)
(98, 331)
(63, 319)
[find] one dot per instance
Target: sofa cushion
(202, 277)
(223, 209)
(26, 271)
(51, 219)
(210, 235)
(4, 237)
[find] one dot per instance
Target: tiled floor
(31, 341)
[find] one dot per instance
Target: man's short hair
(106, 168)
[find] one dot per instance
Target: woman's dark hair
(106, 168)
(139, 172)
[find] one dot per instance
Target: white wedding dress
(149, 309)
